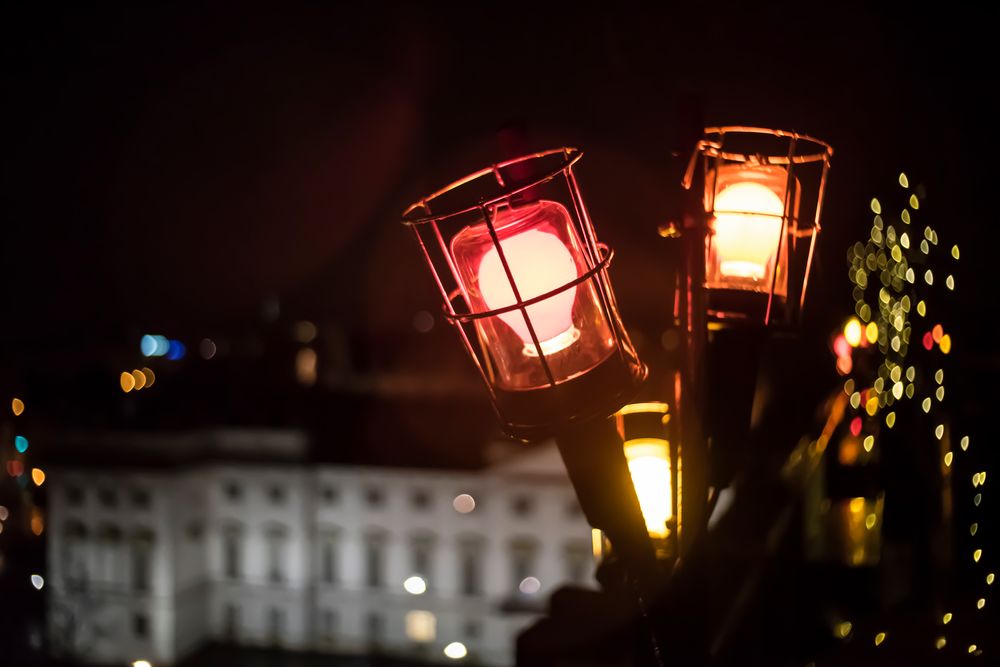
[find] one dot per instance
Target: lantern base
(736, 306)
(539, 413)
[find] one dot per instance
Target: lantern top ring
(503, 185)
(814, 150)
(456, 295)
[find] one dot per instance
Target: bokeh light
(455, 651)
(38, 476)
(464, 503)
(415, 585)
(127, 382)
(529, 585)
(20, 444)
(16, 406)
(37, 581)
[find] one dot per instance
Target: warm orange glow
(127, 382)
(140, 379)
(746, 227)
(853, 332)
(539, 263)
(37, 522)
(150, 376)
(17, 406)
(649, 464)
(38, 476)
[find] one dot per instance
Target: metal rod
(816, 230)
(781, 236)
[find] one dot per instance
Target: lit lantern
(651, 463)
(525, 280)
(763, 197)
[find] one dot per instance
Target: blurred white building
(149, 562)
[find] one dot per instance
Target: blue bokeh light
(148, 346)
(176, 350)
(21, 443)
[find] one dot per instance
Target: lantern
(515, 255)
(763, 198)
(652, 462)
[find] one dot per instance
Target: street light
(516, 257)
(763, 197)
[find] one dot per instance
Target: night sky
(171, 167)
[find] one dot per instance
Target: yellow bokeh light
(989, 579)
(940, 643)
(980, 603)
(868, 445)
(964, 443)
(947, 459)
(939, 394)
(914, 202)
(926, 405)
(905, 216)
(870, 521)
(871, 407)
(939, 431)
(852, 332)
(855, 400)
(890, 419)
(949, 282)
(897, 390)
(954, 251)
(127, 382)
(842, 630)
(904, 240)
(649, 465)
(922, 308)
(929, 277)
(16, 406)
(976, 499)
(945, 344)
(946, 619)
(972, 648)
(903, 180)
(977, 554)
(973, 529)
(876, 206)
(857, 505)
(871, 333)
(879, 638)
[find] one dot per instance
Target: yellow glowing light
(16, 406)
(649, 464)
(905, 216)
(871, 333)
(903, 180)
(897, 390)
(914, 202)
(849, 386)
(949, 282)
(929, 277)
(857, 505)
(421, 626)
(852, 332)
(870, 521)
(909, 390)
(871, 407)
(748, 219)
(947, 459)
(904, 240)
(455, 651)
(868, 445)
(897, 254)
(922, 308)
(127, 382)
(890, 419)
(910, 276)
(843, 629)
(972, 648)
(924, 247)
(946, 619)
(879, 638)
(939, 431)
(973, 529)
(139, 379)
(940, 643)
(37, 521)
(896, 373)
(855, 400)
(37, 476)
(876, 206)
(142, 663)
(954, 251)
(980, 603)
(945, 344)
(964, 443)
(939, 394)
(977, 554)
(975, 480)
(926, 405)
(989, 579)
(596, 542)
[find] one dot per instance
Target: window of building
(276, 537)
(75, 552)
(142, 551)
(231, 621)
(374, 557)
(107, 497)
(74, 496)
(421, 626)
(523, 560)
(421, 499)
(374, 497)
(422, 555)
(276, 625)
(375, 627)
(328, 557)
(232, 552)
(579, 561)
(328, 625)
(110, 553)
(195, 531)
(140, 625)
(472, 629)
(522, 505)
(470, 567)
(233, 491)
(276, 494)
(330, 494)
(141, 498)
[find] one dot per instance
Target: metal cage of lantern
(426, 220)
(800, 150)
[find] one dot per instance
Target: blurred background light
(37, 581)
(455, 651)
(20, 444)
(17, 406)
(127, 382)
(140, 379)
(415, 585)
(207, 348)
(464, 503)
(176, 350)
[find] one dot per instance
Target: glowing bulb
(649, 464)
(539, 263)
(853, 332)
(455, 651)
(747, 225)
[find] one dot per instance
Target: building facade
(152, 562)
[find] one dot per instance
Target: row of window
(110, 497)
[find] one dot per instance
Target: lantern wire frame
(716, 149)
(475, 199)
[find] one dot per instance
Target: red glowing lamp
(515, 255)
(763, 197)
